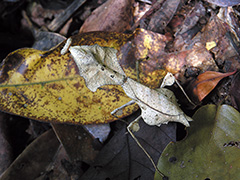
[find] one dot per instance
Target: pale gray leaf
(94, 63)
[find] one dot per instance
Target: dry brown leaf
(206, 82)
(111, 16)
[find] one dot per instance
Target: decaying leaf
(46, 86)
(224, 3)
(216, 32)
(235, 91)
(206, 82)
(77, 142)
(113, 16)
(35, 159)
(125, 158)
(161, 18)
(158, 106)
(190, 26)
(206, 153)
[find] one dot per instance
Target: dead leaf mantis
(99, 66)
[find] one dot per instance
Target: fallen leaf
(235, 90)
(46, 86)
(224, 3)
(158, 106)
(59, 167)
(162, 17)
(225, 52)
(139, 58)
(6, 149)
(190, 27)
(203, 154)
(35, 159)
(114, 16)
(206, 82)
(77, 142)
(121, 158)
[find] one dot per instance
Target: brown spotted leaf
(46, 86)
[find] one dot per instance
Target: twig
(65, 15)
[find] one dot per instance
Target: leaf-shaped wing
(99, 66)
(158, 106)
(94, 63)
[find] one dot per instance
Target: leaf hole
(172, 159)
(231, 143)
(207, 179)
(102, 68)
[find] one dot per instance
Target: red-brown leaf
(206, 82)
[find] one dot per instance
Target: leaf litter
(195, 56)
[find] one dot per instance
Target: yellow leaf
(46, 86)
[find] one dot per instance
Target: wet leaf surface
(203, 153)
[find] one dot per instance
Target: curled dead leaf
(206, 82)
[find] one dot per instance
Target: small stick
(65, 15)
